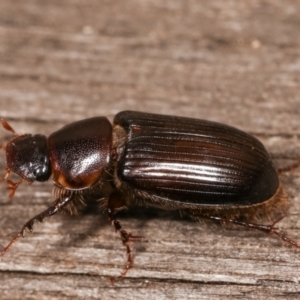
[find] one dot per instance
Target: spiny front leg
(52, 210)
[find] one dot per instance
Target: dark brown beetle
(202, 168)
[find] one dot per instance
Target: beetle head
(27, 156)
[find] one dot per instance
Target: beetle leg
(290, 168)
(52, 210)
(116, 202)
(269, 229)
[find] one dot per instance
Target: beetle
(201, 168)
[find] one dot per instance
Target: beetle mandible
(202, 168)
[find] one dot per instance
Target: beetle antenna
(8, 127)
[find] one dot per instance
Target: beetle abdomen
(194, 161)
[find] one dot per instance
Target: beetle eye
(41, 173)
(36, 172)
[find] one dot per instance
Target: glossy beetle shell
(80, 152)
(205, 169)
(192, 161)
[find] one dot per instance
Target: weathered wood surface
(235, 62)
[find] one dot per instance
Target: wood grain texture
(235, 62)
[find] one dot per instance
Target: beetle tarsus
(127, 266)
(4, 250)
(126, 239)
(268, 229)
(290, 168)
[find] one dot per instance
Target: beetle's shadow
(99, 221)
